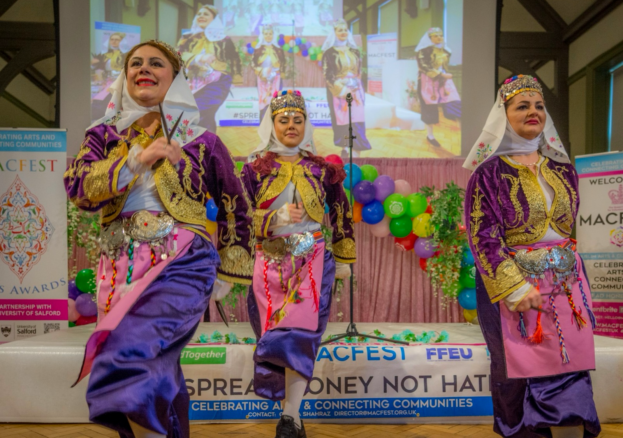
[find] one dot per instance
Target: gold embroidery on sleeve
(231, 236)
(339, 210)
(514, 200)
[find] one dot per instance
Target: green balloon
(240, 165)
(303, 40)
(286, 47)
(313, 57)
(452, 289)
(417, 204)
(467, 277)
(369, 172)
(348, 195)
(296, 49)
(400, 227)
(395, 206)
(85, 281)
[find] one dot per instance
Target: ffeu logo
(445, 354)
(6, 330)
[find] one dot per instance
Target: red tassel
(269, 310)
(538, 336)
(313, 282)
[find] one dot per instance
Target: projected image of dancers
(212, 63)
(435, 86)
(268, 62)
(342, 71)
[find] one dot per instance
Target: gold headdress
(287, 101)
(519, 84)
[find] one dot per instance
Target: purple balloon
(424, 247)
(364, 192)
(85, 305)
(73, 290)
(308, 44)
(384, 187)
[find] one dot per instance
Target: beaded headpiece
(286, 102)
(519, 84)
(266, 27)
(434, 30)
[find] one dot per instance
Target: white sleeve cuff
(517, 297)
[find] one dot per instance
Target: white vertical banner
(600, 236)
(33, 232)
(382, 48)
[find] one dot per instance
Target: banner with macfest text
(33, 233)
(600, 236)
(361, 382)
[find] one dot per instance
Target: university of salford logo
(5, 330)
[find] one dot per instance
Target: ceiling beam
(33, 75)
(545, 14)
(24, 30)
(5, 5)
(27, 56)
(529, 40)
(590, 17)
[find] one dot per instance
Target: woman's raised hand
(161, 149)
(296, 212)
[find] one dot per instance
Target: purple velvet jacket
(505, 206)
(205, 170)
(313, 183)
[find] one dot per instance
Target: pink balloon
(73, 314)
(402, 187)
(382, 228)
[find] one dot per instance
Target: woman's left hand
(221, 289)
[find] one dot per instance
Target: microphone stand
(351, 330)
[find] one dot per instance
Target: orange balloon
(288, 38)
(357, 212)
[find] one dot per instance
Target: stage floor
(268, 431)
(354, 383)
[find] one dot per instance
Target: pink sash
(341, 106)
(288, 294)
(524, 358)
(438, 90)
(125, 295)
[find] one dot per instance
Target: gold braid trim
(477, 216)
(345, 251)
(97, 184)
(178, 204)
(508, 279)
(278, 184)
(237, 262)
(562, 213)
(309, 193)
(514, 200)
(231, 236)
(261, 221)
(339, 223)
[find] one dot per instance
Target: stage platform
(355, 382)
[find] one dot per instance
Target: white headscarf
(263, 42)
(122, 110)
(427, 42)
(499, 138)
(215, 31)
(332, 41)
(269, 142)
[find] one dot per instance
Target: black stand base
(351, 330)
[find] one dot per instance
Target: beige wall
(600, 38)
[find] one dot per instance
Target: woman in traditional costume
(158, 266)
(294, 271)
(534, 300)
(211, 61)
(341, 63)
(268, 63)
(435, 85)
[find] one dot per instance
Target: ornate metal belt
(297, 245)
(142, 228)
(535, 262)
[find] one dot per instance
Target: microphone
(349, 98)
